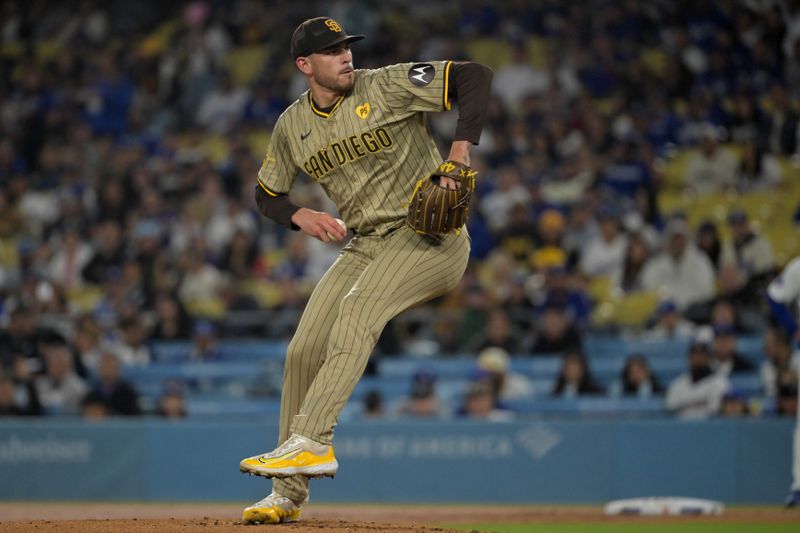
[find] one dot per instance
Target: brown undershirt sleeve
(278, 208)
(470, 85)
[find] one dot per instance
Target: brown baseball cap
(317, 34)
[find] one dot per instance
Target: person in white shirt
(698, 392)
(713, 168)
(223, 106)
(751, 252)
(680, 272)
(519, 78)
(783, 295)
(508, 385)
(669, 324)
(603, 256)
(60, 390)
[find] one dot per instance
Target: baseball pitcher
(363, 136)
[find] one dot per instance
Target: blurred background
(137, 277)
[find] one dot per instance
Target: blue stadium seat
(232, 350)
(748, 384)
(229, 408)
(459, 367)
(598, 346)
(170, 351)
(589, 406)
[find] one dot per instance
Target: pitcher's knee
(303, 352)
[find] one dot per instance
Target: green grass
(633, 527)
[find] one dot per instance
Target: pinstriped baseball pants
(374, 279)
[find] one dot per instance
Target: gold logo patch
(363, 111)
(333, 25)
(447, 167)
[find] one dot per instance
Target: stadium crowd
(131, 134)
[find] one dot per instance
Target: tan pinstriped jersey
(370, 150)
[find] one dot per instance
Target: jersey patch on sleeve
(421, 74)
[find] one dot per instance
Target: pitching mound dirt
(173, 518)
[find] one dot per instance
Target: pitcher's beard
(333, 83)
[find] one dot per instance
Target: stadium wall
(537, 462)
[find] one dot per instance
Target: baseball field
(167, 518)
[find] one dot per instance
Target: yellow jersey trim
(322, 113)
(266, 190)
(445, 98)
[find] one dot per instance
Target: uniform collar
(320, 113)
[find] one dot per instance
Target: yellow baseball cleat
(274, 509)
(299, 455)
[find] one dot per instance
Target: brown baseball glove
(435, 210)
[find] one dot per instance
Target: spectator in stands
(499, 333)
(222, 227)
(669, 324)
(110, 94)
(626, 172)
(602, 256)
(172, 322)
(472, 307)
(698, 392)
(557, 334)
(223, 107)
(69, 260)
(133, 348)
(734, 405)
(204, 342)
(86, 341)
(519, 237)
(582, 229)
(519, 306)
(446, 334)
(506, 384)
(783, 119)
(18, 394)
(117, 395)
(723, 313)
(709, 242)
(111, 207)
(93, 407)
(745, 120)
(202, 281)
(727, 360)
(786, 404)
(263, 107)
(757, 169)
(20, 336)
(241, 255)
(575, 377)
(373, 406)
(109, 252)
(627, 275)
(566, 290)
(550, 227)
(780, 363)
(60, 389)
(509, 191)
(713, 168)
(480, 404)
(519, 78)
(423, 400)
(680, 270)
(497, 275)
(750, 252)
(637, 379)
(171, 403)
